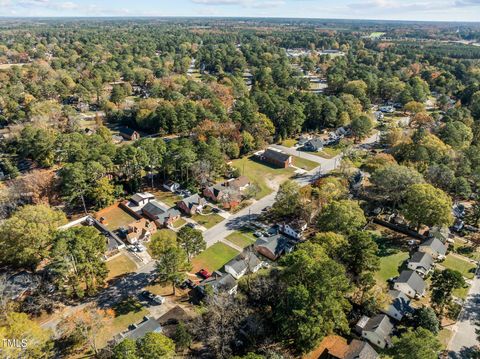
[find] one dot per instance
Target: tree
(77, 260)
(191, 240)
(172, 264)
(414, 107)
(443, 284)
(456, 134)
(427, 205)
(416, 344)
(422, 119)
(155, 346)
(126, 349)
(313, 304)
(103, 194)
(329, 188)
(360, 255)
(425, 317)
(332, 243)
(393, 181)
(37, 341)
(361, 127)
(182, 337)
(287, 201)
(341, 216)
(27, 236)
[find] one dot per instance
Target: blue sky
(450, 10)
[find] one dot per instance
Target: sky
(430, 10)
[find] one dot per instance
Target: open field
(456, 263)
(327, 152)
(169, 198)
(390, 265)
(241, 239)
(260, 173)
(464, 249)
(120, 265)
(214, 257)
(303, 163)
(289, 142)
(461, 292)
(444, 336)
(179, 223)
(209, 220)
(115, 217)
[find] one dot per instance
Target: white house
(434, 247)
(376, 330)
(410, 283)
(399, 305)
(421, 262)
(171, 186)
(294, 229)
(142, 198)
(242, 264)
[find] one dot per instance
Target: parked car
(141, 248)
(158, 299)
(191, 225)
(257, 234)
(148, 295)
(204, 273)
(187, 284)
(216, 210)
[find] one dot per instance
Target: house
(142, 198)
(336, 347)
(421, 262)
(116, 139)
(161, 215)
(229, 197)
(313, 145)
(410, 283)
(140, 230)
(191, 205)
(376, 330)
(221, 282)
(171, 186)
(294, 229)
(387, 109)
(240, 183)
(441, 233)
(20, 284)
(246, 262)
(276, 158)
(128, 133)
(274, 247)
(399, 305)
(434, 247)
(148, 325)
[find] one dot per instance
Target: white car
(159, 299)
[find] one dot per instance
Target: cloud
(244, 3)
(465, 3)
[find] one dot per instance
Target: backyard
(290, 142)
(115, 217)
(392, 256)
(258, 173)
(214, 257)
(167, 197)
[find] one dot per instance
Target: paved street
(464, 337)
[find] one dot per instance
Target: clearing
(115, 217)
(208, 221)
(213, 258)
(241, 239)
(120, 265)
(262, 174)
(456, 263)
(289, 142)
(167, 197)
(303, 163)
(327, 153)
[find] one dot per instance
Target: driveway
(464, 337)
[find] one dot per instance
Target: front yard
(260, 174)
(209, 220)
(456, 263)
(303, 163)
(241, 239)
(290, 142)
(327, 152)
(120, 265)
(214, 257)
(115, 217)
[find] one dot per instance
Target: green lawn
(214, 257)
(169, 198)
(120, 265)
(444, 336)
(327, 152)
(207, 221)
(389, 265)
(461, 292)
(258, 173)
(179, 222)
(164, 233)
(130, 311)
(460, 265)
(289, 142)
(304, 163)
(466, 250)
(241, 239)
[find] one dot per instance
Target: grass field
(461, 292)
(389, 265)
(258, 173)
(167, 197)
(304, 163)
(456, 263)
(241, 239)
(214, 257)
(289, 142)
(466, 249)
(208, 221)
(115, 217)
(444, 336)
(128, 312)
(179, 222)
(120, 265)
(327, 152)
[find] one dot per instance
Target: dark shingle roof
(424, 260)
(193, 200)
(275, 244)
(436, 245)
(147, 326)
(315, 142)
(400, 301)
(413, 280)
(154, 208)
(358, 349)
(276, 155)
(239, 263)
(379, 324)
(126, 131)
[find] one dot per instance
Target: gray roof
(193, 200)
(381, 325)
(138, 197)
(315, 142)
(220, 282)
(239, 263)
(436, 245)
(423, 260)
(172, 212)
(412, 278)
(400, 301)
(154, 208)
(147, 326)
(358, 349)
(276, 155)
(276, 244)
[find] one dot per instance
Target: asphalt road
(465, 338)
